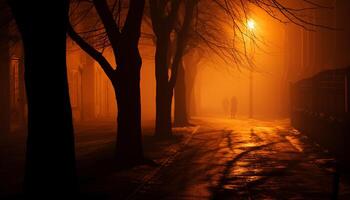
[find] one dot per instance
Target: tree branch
(133, 20)
(182, 40)
(96, 55)
(172, 17)
(110, 25)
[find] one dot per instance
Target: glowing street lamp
(251, 24)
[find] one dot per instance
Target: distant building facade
(310, 52)
(91, 94)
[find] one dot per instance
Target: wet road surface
(216, 159)
(235, 159)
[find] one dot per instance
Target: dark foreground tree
(125, 77)
(50, 158)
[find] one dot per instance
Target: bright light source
(251, 24)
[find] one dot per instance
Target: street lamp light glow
(251, 24)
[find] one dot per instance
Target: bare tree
(184, 88)
(164, 16)
(125, 77)
(50, 157)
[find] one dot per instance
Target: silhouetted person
(233, 107)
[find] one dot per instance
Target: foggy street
(175, 99)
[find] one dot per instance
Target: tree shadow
(224, 190)
(100, 169)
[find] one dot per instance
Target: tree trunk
(180, 113)
(50, 157)
(129, 137)
(125, 78)
(129, 149)
(163, 91)
(163, 111)
(4, 82)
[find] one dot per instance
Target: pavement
(214, 159)
(246, 159)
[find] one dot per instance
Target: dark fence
(320, 109)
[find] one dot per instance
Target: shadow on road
(227, 187)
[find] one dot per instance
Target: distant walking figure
(233, 107)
